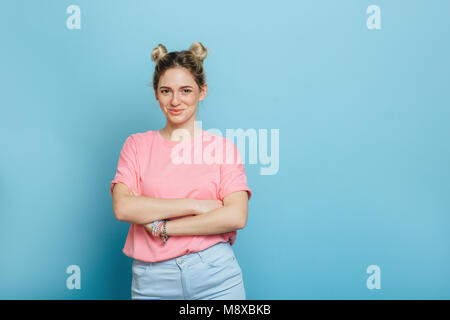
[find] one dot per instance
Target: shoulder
(140, 138)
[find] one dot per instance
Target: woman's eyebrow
(180, 87)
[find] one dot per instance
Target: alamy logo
(374, 280)
(73, 21)
(222, 151)
(374, 20)
(74, 280)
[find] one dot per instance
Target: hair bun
(198, 50)
(159, 52)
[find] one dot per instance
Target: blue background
(364, 140)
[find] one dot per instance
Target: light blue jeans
(210, 274)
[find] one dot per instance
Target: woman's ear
(203, 91)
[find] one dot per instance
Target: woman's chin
(176, 122)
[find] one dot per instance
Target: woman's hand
(201, 207)
(205, 206)
(148, 227)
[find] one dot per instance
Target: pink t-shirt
(150, 165)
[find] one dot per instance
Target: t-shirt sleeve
(127, 167)
(232, 173)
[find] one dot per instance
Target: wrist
(156, 228)
(163, 235)
(167, 227)
(148, 226)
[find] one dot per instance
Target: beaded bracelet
(156, 228)
(164, 235)
(159, 230)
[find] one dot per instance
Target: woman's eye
(164, 91)
(187, 90)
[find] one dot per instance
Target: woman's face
(177, 90)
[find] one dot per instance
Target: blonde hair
(191, 59)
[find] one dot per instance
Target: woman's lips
(175, 112)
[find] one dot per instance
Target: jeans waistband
(192, 257)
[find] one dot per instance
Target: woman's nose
(175, 100)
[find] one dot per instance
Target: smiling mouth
(175, 111)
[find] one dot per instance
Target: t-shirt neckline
(172, 143)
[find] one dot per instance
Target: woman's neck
(168, 130)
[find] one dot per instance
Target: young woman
(184, 210)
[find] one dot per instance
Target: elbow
(241, 221)
(119, 216)
(119, 213)
(239, 226)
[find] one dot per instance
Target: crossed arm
(132, 208)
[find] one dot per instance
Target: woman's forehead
(176, 78)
